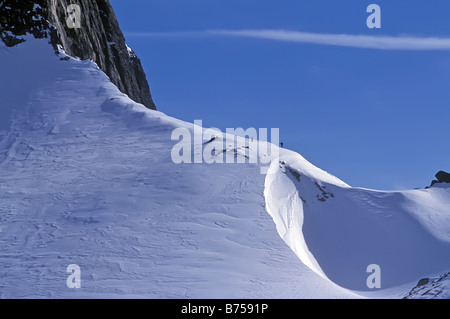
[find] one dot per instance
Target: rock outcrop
(18, 18)
(96, 35)
(431, 288)
(443, 177)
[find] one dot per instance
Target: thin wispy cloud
(343, 40)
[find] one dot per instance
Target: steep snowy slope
(86, 178)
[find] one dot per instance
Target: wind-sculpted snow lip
(338, 231)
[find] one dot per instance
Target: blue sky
(376, 118)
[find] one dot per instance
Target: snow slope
(87, 178)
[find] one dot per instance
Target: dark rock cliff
(441, 177)
(94, 35)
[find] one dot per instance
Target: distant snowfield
(86, 178)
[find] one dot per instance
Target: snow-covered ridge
(87, 178)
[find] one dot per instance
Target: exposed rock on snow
(17, 18)
(431, 288)
(443, 177)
